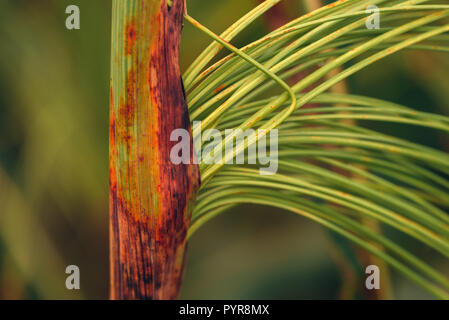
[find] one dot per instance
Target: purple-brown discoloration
(150, 197)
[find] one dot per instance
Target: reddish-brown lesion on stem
(150, 197)
(130, 36)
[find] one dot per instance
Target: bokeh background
(54, 166)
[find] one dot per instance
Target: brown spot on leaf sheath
(219, 88)
(150, 197)
(130, 36)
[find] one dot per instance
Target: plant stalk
(150, 197)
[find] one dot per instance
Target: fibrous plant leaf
(402, 185)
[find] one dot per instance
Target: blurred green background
(54, 165)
